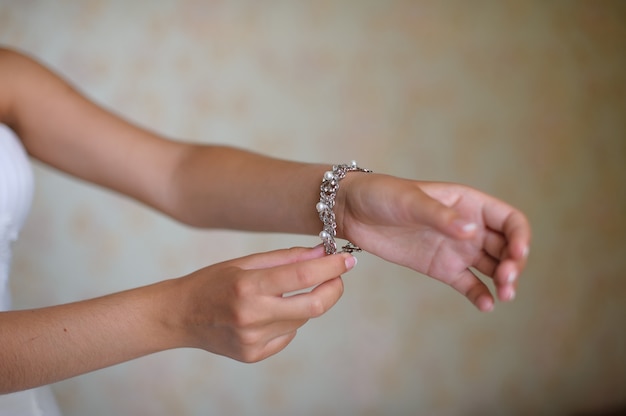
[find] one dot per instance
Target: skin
(236, 308)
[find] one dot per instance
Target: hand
(238, 308)
(439, 229)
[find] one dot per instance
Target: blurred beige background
(524, 100)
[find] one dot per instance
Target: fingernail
(525, 252)
(465, 226)
(350, 261)
(511, 277)
(512, 294)
(509, 294)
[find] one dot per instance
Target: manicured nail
(509, 294)
(511, 277)
(351, 261)
(512, 294)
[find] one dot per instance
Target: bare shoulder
(65, 129)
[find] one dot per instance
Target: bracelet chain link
(328, 193)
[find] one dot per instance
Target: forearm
(223, 187)
(202, 185)
(45, 345)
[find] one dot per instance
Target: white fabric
(16, 193)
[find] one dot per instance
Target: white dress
(16, 191)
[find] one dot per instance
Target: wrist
(168, 316)
(347, 195)
(342, 206)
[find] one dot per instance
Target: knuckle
(316, 307)
(243, 318)
(248, 339)
(251, 350)
(340, 288)
(304, 276)
(294, 253)
(243, 287)
(295, 250)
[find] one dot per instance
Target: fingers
(509, 242)
(277, 321)
(314, 303)
(495, 262)
(505, 279)
(474, 289)
(256, 344)
(277, 344)
(514, 225)
(262, 289)
(304, 274)
(494, 244)
(289, 314)
(241, 311)
(504, 283)
(486, 264)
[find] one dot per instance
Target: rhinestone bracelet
(328, 192)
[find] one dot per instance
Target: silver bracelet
(328, 192)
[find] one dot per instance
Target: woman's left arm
(442, 230)
(201, 185)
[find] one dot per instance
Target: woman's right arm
(235, 308)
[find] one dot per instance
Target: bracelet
(328, 192)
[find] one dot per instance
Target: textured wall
(525, 100)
